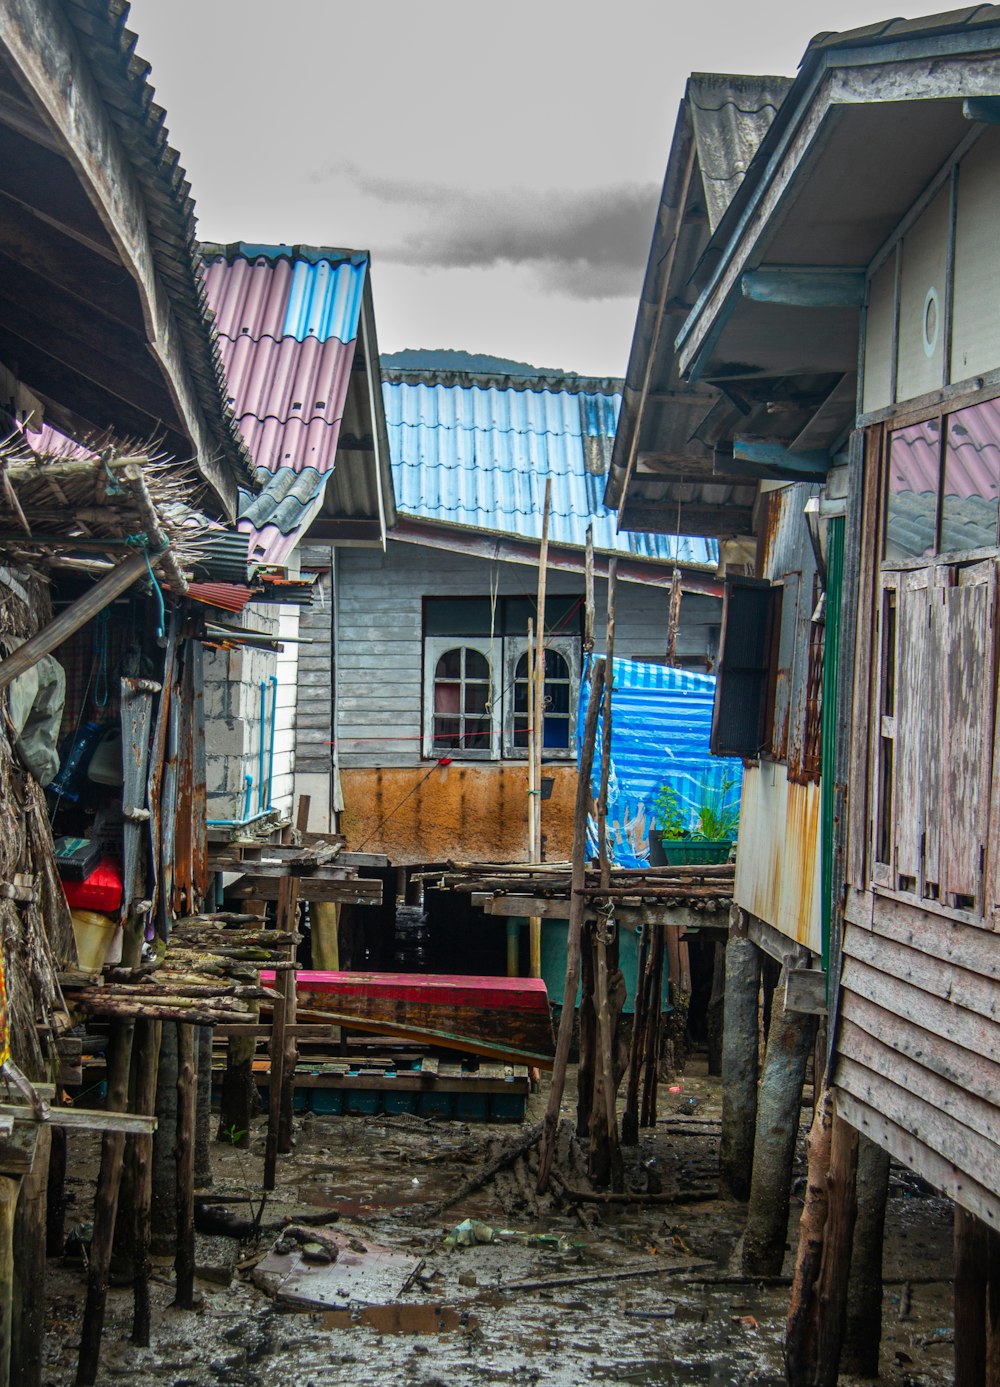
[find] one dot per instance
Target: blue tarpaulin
(661, 719)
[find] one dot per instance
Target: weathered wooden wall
(380, 637)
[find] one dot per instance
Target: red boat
(500, 1018)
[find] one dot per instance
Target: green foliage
(714, 819)
(668, 820)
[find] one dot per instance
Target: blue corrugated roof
(477, 453)
(324, 300)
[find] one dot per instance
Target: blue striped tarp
(661, 720)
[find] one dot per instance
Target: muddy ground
(458, 1323)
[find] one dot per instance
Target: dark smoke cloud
(591, 244)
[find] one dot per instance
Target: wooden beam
(805, 286)
(805, 991)
(95, 600)
(984, 109)
(774, 460)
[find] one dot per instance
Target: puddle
(401, 1319)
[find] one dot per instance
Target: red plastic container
(102, 890)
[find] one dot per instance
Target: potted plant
(704, 836)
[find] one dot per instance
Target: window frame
(434, 648)
(571, 650)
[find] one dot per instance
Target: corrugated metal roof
(287, 319)
(948, 21)
(478, 455)
(730, 115)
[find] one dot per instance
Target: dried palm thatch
(36, 935)
(97, 501)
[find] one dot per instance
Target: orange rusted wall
(469, 811)
(778, 854)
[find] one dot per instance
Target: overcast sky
(502, 162)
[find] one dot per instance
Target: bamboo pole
(565, 1036)
(588, 591)
(105, 1207)
(630, 1117)
(651, 1041)
(532, 779)
(605, 1133)
(538, 725)
(187, 1097)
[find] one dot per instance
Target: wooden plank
(898, 998)
(406, 1082)
(930, 1164)
(83, 1119)
(938, 978)
(310, 889)
(935, 1053)
(526, 906)
(965, 1149)
(967, 728)
(952, 1098)
(865, 663)
(913, 724)
(805, 990)
(952, 941)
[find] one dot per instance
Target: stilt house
(845, 314)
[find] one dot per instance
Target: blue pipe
(247, 818)
(260, 748)
(270, 752)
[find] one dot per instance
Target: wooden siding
(918, 1052)
(976, 324)
(380, 636)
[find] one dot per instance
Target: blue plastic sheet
(661, 720)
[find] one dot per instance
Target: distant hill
(447, 359)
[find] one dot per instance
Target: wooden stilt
(9, 1187)
(586, 1067)
(739, 1062)
(238, 1096)
(831, 1289)
(147, 1047)
(993, 1309)
(715, 1011)
(789, 1045)
(286, 920)
(55, 1204)
(863, 1331)
(105, 1206)
(971, 1280)
(203, 1116)
(651, 1044)
(630, 1116)
(800, 1328)
(187, 1097)
(164, 1205)
(565, 1035)
(276, 1052)
(29, 1308)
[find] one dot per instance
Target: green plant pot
(687, 852)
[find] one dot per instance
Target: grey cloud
(590, 244)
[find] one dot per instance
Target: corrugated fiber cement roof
(476, 452)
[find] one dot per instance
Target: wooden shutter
(744, 691)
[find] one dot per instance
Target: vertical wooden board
(786, 659)
(976, 321)
(877, 390)
(967, 725)
(912, 681)
(921, 302)
(859, 798)
(933, 748)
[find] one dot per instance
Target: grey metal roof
(721, 121)
(947, 21)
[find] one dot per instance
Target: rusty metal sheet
(200, 874)
(136, 717)
(154, 786)
(778, 875)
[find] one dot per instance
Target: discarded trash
(401, 1319)
(472, 1230)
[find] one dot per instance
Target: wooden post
(55, 1203)
(586, 1067)
(148, 1035)
(164, 1206)
(534, 806)
(789, 1045)
(537, 724)
(513, 947)
(971, 1281)
(9, 1187)
(578, 881)
(800, 1325)
(187, 1099)
(105, 1206)
(630, 1117)
(28, 1319)
(739, 1060)
(993, 1309)
(651, 1042)
(588, 591)
(715, 1010)
(863, 1330)
(287, 920)
(831, 1288)
(203, 1115)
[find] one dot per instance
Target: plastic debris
(472, 1230)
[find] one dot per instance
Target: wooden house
(845, 309)
(428, 649)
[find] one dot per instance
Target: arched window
(464, 718)
(558, 699)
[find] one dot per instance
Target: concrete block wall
(313, 754)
